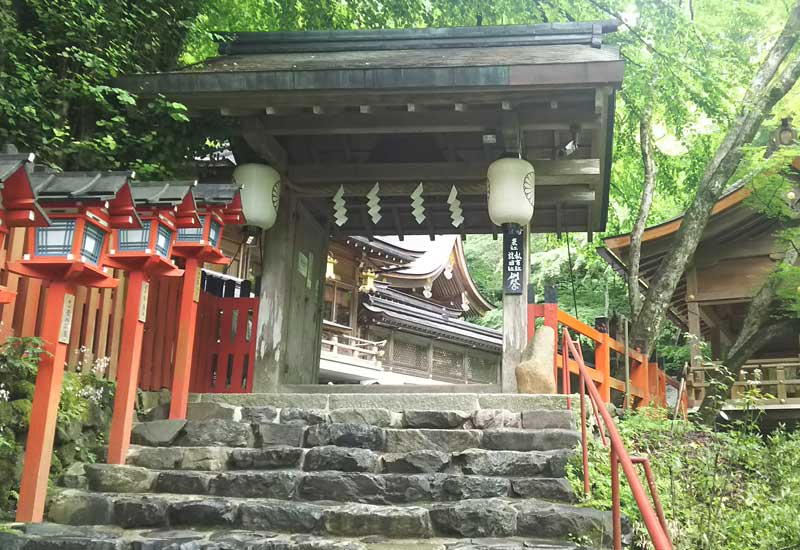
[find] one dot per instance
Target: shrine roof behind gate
(346, 109)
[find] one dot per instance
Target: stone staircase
(356, 472)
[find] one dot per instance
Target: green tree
(58, 62)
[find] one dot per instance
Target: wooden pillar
(187, 321)
(130, 353)
(693, 314)
(44, 410)
(290, 305)
(515, 320)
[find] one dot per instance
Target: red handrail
(654, 521)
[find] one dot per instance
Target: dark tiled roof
(158, 193)
(398, 309)
(215, 193)
(409, 39)
(96, 186)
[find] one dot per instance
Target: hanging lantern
(330, 273)
(510, 182)
(261, 193)
(367, 281)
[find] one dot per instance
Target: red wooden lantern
(143, 252)
(20, 208)
(217, 205)
(83, 209)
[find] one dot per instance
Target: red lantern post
(219, 205)
(67, 253)
(143, 253)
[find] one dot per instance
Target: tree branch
(763, 94)
(650, 171)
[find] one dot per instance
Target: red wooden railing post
(602, 362)
(187, 319)
(130, 352)
(44, 409)
(640, 378)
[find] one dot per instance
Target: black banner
(513, 258)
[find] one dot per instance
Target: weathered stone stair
(259, 473)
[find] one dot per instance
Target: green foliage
(58, 63)
(86, 400)
(736, 490)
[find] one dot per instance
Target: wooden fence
(777, 379)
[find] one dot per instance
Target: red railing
(646, 384)
(652, 513)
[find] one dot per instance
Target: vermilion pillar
(602, 362)
(47, 393)
(130, 352)
(187, 317)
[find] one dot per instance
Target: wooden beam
(416, 121)
(255, 133)
(548, 172)
(545, 194)
(712, 319)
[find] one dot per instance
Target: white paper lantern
(510, 191)
(261, 192)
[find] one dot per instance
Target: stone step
(495, 517)
(52, 536)
(395, 402)
(384, 418)
(359, 487)
(229, 433)
(352, 459)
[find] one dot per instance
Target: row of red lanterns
(81, 226)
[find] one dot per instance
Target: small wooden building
(737, 252)
(408, 326)
(391, 132)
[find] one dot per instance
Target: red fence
(224, 348)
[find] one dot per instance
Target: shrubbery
(731, 490)
(83, 415)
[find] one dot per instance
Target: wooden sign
(66, 318)
(513, 256)
(198, 282)
(143, 302)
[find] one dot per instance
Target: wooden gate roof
(333, 109)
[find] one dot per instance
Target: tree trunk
(650, 171)
(772, 81)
